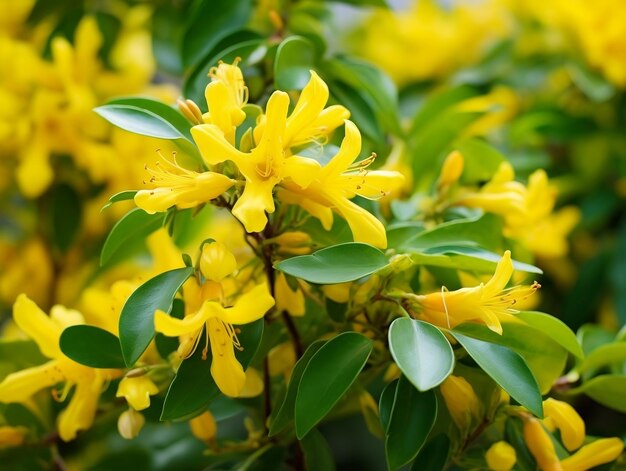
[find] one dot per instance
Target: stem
(293, 331)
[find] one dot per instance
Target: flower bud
(130, 423)
(501, 456)
(540, 445)
(217, 262)
(599, 452)
(567, 420)
(203, 427)
(461, 400)
(452, 169)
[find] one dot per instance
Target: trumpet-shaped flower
(486, 303)
(271, 162)
(174, 185)
(340, 180)
(218, 324)
(89, 382)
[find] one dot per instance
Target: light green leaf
(137, 317)
(295, 57)
(553, 328)
(602, 356)
(412, 418)
(481, 160)
(336, 264)
(421, 351)
(507, 368)
(146, 117)
(134, 225)
(92, 346)
(329, 374)
(121, 196)
(608, 390)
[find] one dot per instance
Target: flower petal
(81, 410)
(225, 368)
(249, 306)
(501, 277)
(599, 452)
(213, 145)
(38, 326)
(308, 107)
(567, 420)
(173, 327)
(365, 227)
(20, 386)
(256, 199)
(137, 391)
(348, 152)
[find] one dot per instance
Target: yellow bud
(501, 456)
(566, 419)
(130, 424)
(217, 262)
(137, 391)
(203, 427)
(540, 445)
(281, 358)
(599, 452)
(452, 169)
(287, 299)
(461, 400)
(12, 436)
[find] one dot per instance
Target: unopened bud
(190, 110)
(461, 400)
(501, 456)
(566, 419)
(203, 427)
(452, 169)
(130, 423)
(217, 262)
(540, 445)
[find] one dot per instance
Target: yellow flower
(204, 427)
(501, 456)
(340, 180)
(540, 445)
(451, 169)
(218, 322)
(12, 436)
(270, 162)
(596, 453)
(461, 401)
(287, 299)
(561, 415)
(137, 391)
(216, 261)
(174, 185)
(486, 303)
(89, 382)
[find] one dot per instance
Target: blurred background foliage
(540, 82)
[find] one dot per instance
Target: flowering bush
(309, 260)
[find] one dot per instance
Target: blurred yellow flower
(461, 401)
(501, 456)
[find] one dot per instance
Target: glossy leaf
(336, 264)
(481, 160)
(608, 390)
(434, 455)
(553, 328)
(507, 368)
(193, 387)
(327, 377)
(134, 225)
(421, 351)
(92, 346)
(385, 404)
(412, 418)
(146, 117)
(295, 57)
(286, 411)
(137, 317)
(317, 453)
(603, 356)
(121, 196)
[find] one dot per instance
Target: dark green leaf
(327, 377)
(66, 216)
(285, 412)
(412, 418)
(137, 317)
(317, 454)
(193, 387)
(385, 404)
(147, 117)
(295, 57)
(92, 346)
(434, 455)
(507, 368)
(336, 264)
(421, 351)
(134, 225)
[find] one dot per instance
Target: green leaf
(317, 454)
(421, 351)
(210, 22)
(507, 368)
(374, 87)
(608, 390)
(134, 225)
(285, 412)
(295, 57)
(544, 356)
(554, 328)
(92, 346)
(412, 418)
(481, 160)
(329, 374)
(361, 112)
(146, 117)
(437, 103)
(385, 404)
(121, 196)
(603, 356)
(193, 387)
(594, 85)
(137, 317)
(66, 215)
(434, 455)
(336, 264)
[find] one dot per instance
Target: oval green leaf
(412, 418)
(608, 390)
(421, 351)
(146, 117)
(92, 346)
(295, 57)
(602, 356)
(555, 329)
(134, 226)
(137, 317)
(193, 387)
(336, 264)
(329, 374)
(507, 368)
